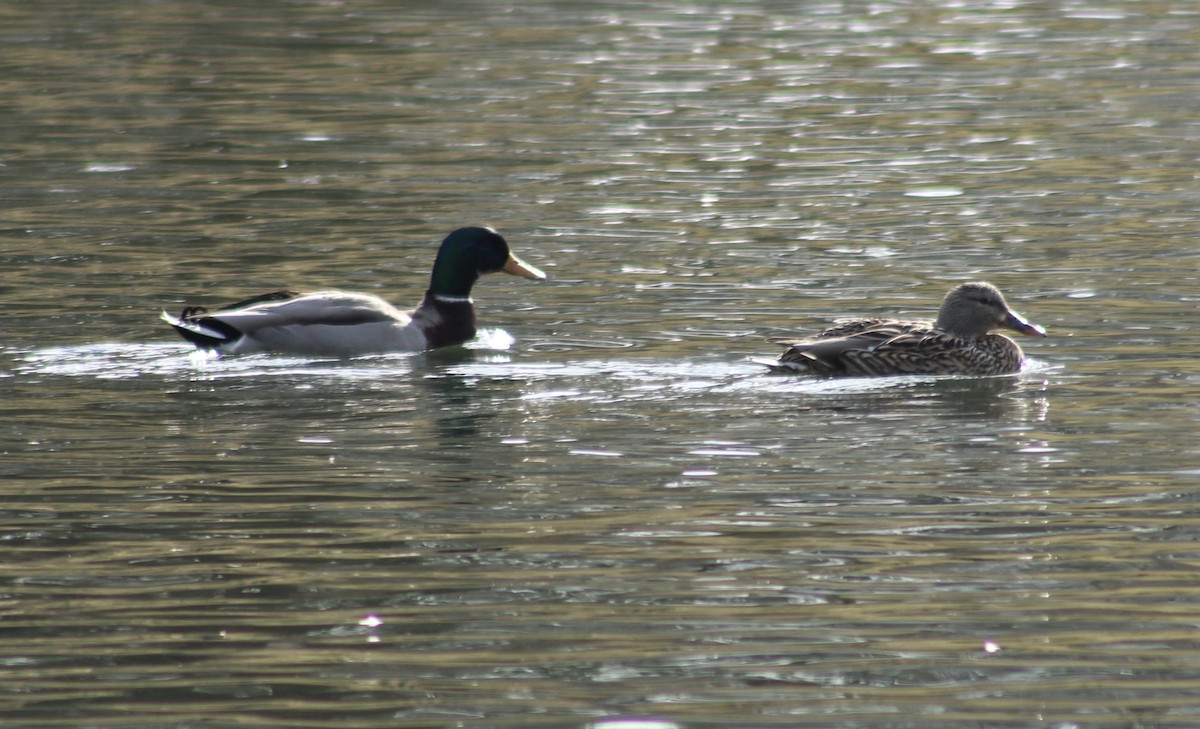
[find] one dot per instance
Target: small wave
(128, 360)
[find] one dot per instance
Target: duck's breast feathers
(444, 321)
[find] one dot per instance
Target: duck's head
(467, 253)
(974, 309)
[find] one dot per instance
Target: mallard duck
(960, 342)
(345, 324)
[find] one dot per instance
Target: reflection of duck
(344, 324)
(960, 342)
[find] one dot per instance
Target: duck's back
(324, 323)
(937, 352)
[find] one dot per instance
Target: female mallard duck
(344, 324)
(960, 342)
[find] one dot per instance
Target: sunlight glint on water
(599, 513)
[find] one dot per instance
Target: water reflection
(610, 519)
(457, 414)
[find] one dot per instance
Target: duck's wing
(871, 328)
(334, 323)
(935, 352)
(827, 353)
(254, 300)
(870, 347)
(207, 332)
(334, 308)
(917, 351)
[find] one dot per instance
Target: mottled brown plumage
(961, 342)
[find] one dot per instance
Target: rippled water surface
(599, 514)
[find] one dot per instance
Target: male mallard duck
(960, 342)
(344, 324)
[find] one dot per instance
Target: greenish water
(599, 510)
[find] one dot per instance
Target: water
(599, 514)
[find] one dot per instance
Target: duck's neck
(445, 299)
(953, 326)
(452, 277)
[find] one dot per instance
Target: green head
(470, 252)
